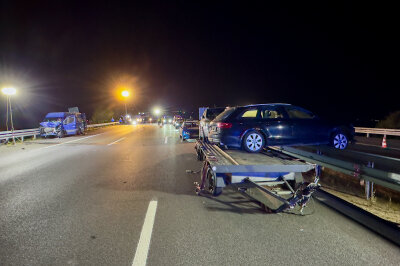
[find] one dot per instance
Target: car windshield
(225, 114)
(214, 112)
(53, 119)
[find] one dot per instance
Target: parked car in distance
(166, 120)
(208, 115)
(189, 130)
(254, 127)
(177, 121)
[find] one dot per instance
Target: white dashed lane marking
(143, 246)
(118, 140)
(70, 141)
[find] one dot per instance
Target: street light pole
(126, 110)
(125, 94)
(11, 117)
(8, 92)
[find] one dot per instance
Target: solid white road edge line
(143, 246)
(118, 140)
(71, 141)
(365, 144)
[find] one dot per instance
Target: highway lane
(84, 202)
(373, 145)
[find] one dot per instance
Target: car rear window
(214, 112)
(252, 113)
(299, 113)
(224, 115)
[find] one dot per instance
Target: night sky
(337, 60)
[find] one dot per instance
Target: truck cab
(60, 124)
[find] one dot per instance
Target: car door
(249, 118)
(70, 125)
(276, 125)
(306, 127)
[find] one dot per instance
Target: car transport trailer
(271, 178)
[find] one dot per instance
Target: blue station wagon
(254, 127)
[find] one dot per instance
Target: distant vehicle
(177, 121)
(167, 120)
(60, 124)
(189, 130)
(208, 115)
(254, 127)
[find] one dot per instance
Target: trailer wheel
(200, 156)
(211, 182)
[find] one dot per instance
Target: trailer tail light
(224, 125)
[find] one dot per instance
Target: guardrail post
(367, 135)
(318, 170)
(369, 186)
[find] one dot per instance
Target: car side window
(249, 114)
(298, 113)
(271, 113)
(69, 120)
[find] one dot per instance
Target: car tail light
(224, 125)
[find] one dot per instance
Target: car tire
(253, 141)
(339, 140)
(60, 134)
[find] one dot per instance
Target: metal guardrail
(102, 125)
(367, 172)
(378, 131)
(5, 135)
(21, 134)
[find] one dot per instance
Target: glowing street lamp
(9, 91)
(157, 111)
(125, 94)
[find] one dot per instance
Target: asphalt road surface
(88, 200)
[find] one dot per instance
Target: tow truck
(270, 178)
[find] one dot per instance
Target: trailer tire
(211, 181)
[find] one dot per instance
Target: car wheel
(60, 134)
(339, 141)
(253, 141)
